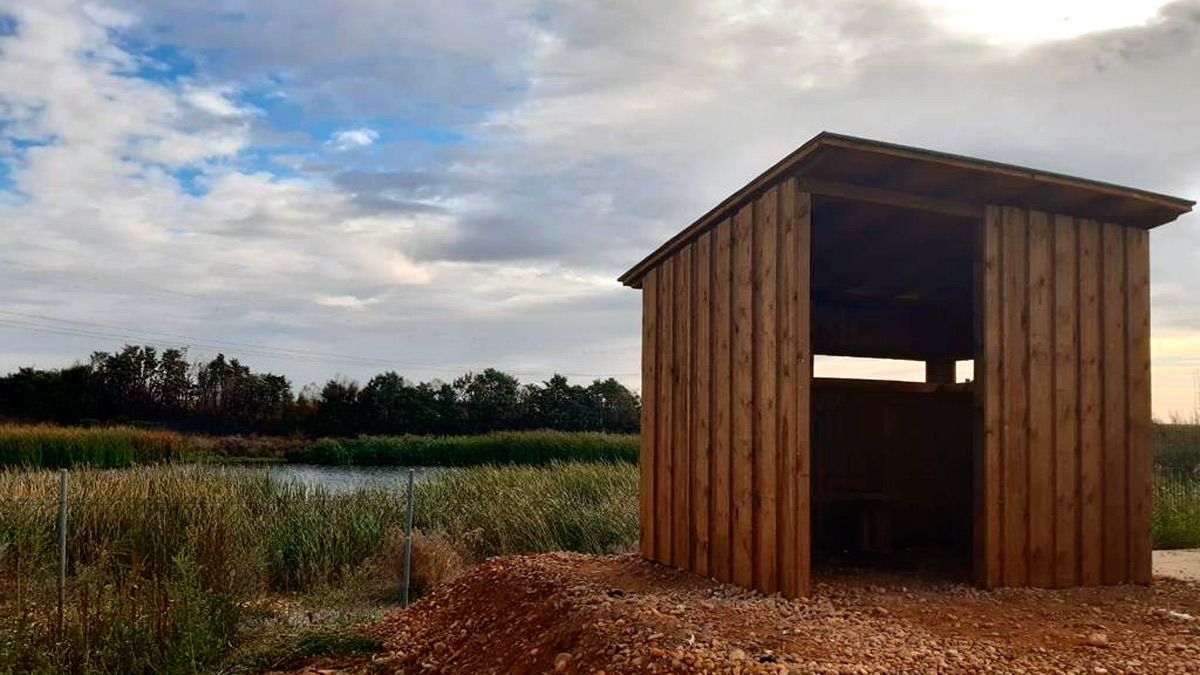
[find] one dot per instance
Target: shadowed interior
(891, 472)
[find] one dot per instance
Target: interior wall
(1064, 352)
(726, 366)
(906, 446)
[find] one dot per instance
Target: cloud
(352, 139)
(345, 301)
(228, 201)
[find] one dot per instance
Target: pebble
(619, 614)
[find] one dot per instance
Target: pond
(345, 478)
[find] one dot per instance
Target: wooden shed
(1037, 472)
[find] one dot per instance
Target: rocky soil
(569, 613)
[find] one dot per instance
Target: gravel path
(572, 613)
(1179, 564)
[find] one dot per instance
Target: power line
(111, 332)
(219, 345)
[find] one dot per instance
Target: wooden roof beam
(904, 200)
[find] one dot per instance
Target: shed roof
(902, 175)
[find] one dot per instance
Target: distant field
(106, 447)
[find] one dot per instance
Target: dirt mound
(618, 614)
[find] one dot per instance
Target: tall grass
(108, 447)
(1176, 515)
(164, 559)
(515, 447)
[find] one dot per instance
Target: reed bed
(164, 559)
(513, 447)
(54, 447)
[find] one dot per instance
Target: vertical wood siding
(727, 370)
(1063, 399)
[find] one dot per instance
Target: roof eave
(633, 276)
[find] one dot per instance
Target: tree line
(140, 384)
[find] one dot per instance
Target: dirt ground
(1179, 564)
(573, 613)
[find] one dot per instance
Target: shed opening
(891, 459)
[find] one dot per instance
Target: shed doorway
(891, 459)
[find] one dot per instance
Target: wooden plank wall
(1063, 465)
(726, 376)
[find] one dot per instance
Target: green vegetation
(109, 447)
(513, 447)
(168, 563)
(1176, 517)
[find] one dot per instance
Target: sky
(344, 187)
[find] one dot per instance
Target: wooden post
(408, 539)
(940, 371)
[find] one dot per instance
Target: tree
(489, 400)
(619, 409)
(225, 395)
(124, 381)
(171, 384)
(390, 405)
(337, 410)
(561, 405)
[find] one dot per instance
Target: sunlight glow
(1031, 21)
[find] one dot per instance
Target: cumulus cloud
(351, 139)
(585, 134)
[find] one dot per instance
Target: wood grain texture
(681, 554)
(722, 460)
(743, 397)
(648, 436)
(800, 292)
(1040, 443)
(1116, 529)
(1014, 232)
(787, 267)
(1066, 398)
(989, 360)
(766, 368)
(1063, 400)
(664, 460)
(1140, 453)
(701, 395)
(1091, 458)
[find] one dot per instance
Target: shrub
(436, 559)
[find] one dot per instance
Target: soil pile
(571, 613)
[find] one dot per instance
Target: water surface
(345, 478)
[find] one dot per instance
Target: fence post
(408, 539)
(62, 546)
